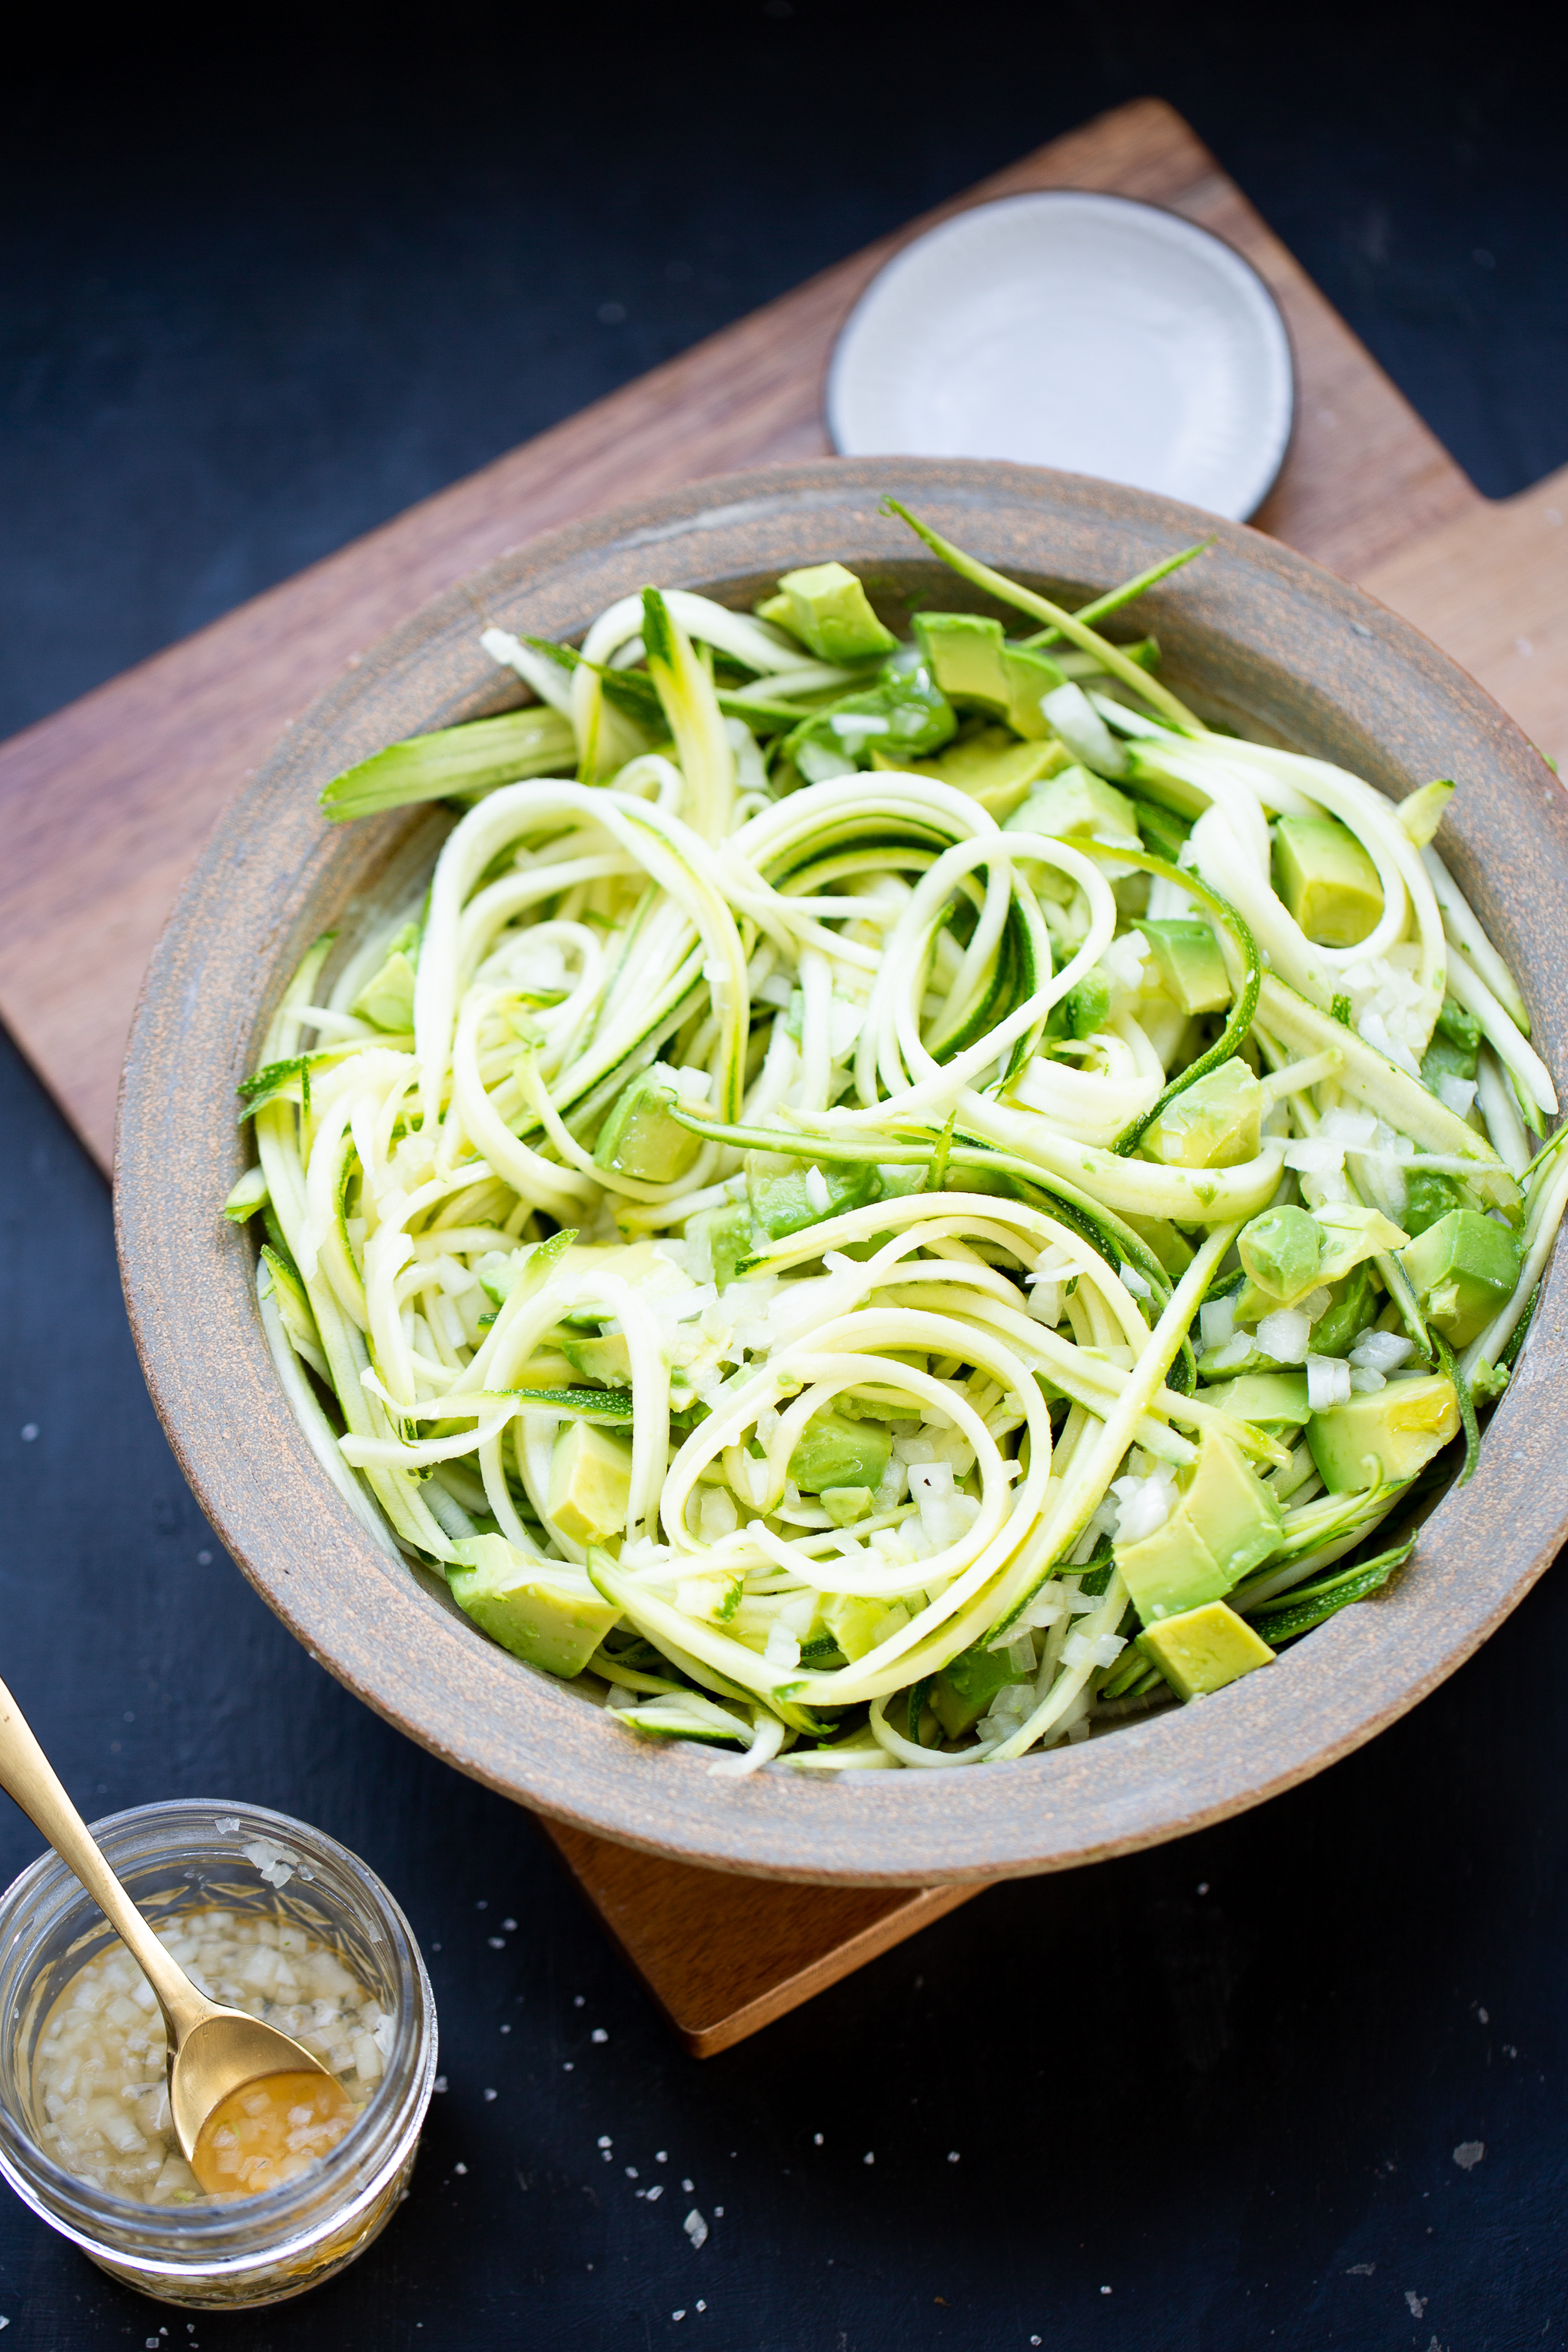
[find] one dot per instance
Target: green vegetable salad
(896, 1201)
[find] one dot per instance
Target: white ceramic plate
(1081, 331)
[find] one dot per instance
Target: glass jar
(188, 1856)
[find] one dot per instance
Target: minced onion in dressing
(99, 2073)
(868, 1396)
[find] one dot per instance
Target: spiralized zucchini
(796, 1222)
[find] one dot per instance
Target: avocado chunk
(590, 1483)
(834, 1452)
(1077, 801)
(857, 1623)
(1190, 965)
(1275, 1402)
(640, 1138)
(781, 1191)
(1326, 880)
(603, 1357)
(1225, 1523)
(1030, 676)
(991, 765)
(1386, 1436)
(387, 1000)
(1427, 1197)
(1216, 1122)
(726, 1234)
(845, 1504)
(965, 652)
(542, 1611)
(1463, 1270)
(1203, 1649)
(967, 1686)
(826, 608)
(1282, 1251)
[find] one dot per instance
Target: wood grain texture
(105, 805)
(722, 1956)
(1490, 586)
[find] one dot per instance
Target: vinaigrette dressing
(100, 2076)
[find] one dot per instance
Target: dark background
(262, 283)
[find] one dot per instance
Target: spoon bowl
(214, 2052)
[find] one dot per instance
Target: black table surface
(1209, 2096)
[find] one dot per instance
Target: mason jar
(188, 1856)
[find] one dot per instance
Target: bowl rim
(391, 1634)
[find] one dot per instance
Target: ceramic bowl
(1253, 630)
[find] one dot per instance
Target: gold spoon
(214, 2052)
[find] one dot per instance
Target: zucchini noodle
(910, 1202)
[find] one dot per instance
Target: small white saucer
(1082, 332)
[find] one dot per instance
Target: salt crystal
(1469, 2154)
(696, 2228)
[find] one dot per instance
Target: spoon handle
(26, 1774)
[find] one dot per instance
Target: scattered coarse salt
(226, 1825)
(696, 2228)
(598, 2034)
(440, 2082)
(870, 2156)
(459, 2167)
(604, 2140)
(953, 2156)
(1469, 2154)
(489, 2095)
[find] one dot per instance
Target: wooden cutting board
(104, 807)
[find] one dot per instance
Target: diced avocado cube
(1190, 965)
(781, 1193)
(1082, 1011)
(857, 1623)
(964, 652)
(836, 1452)
(967, 1686)
(845, 1504)
(1282, 1251)
(1463, 1270)
(639, 1138)
(1386, 1436)
(1217, 1122)
(991, 765)
(1030, 676)
(387, 999)
(1427, 1197)
(1326, 880)
(1203, 1649)
(1275, 1402)
(605, 1358)
(726, 1234)
(828, 611)
(1077, 801)
(590, 1483)
(546, 1614)
(1226, 1521)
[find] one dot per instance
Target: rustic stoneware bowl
(1252, 630)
